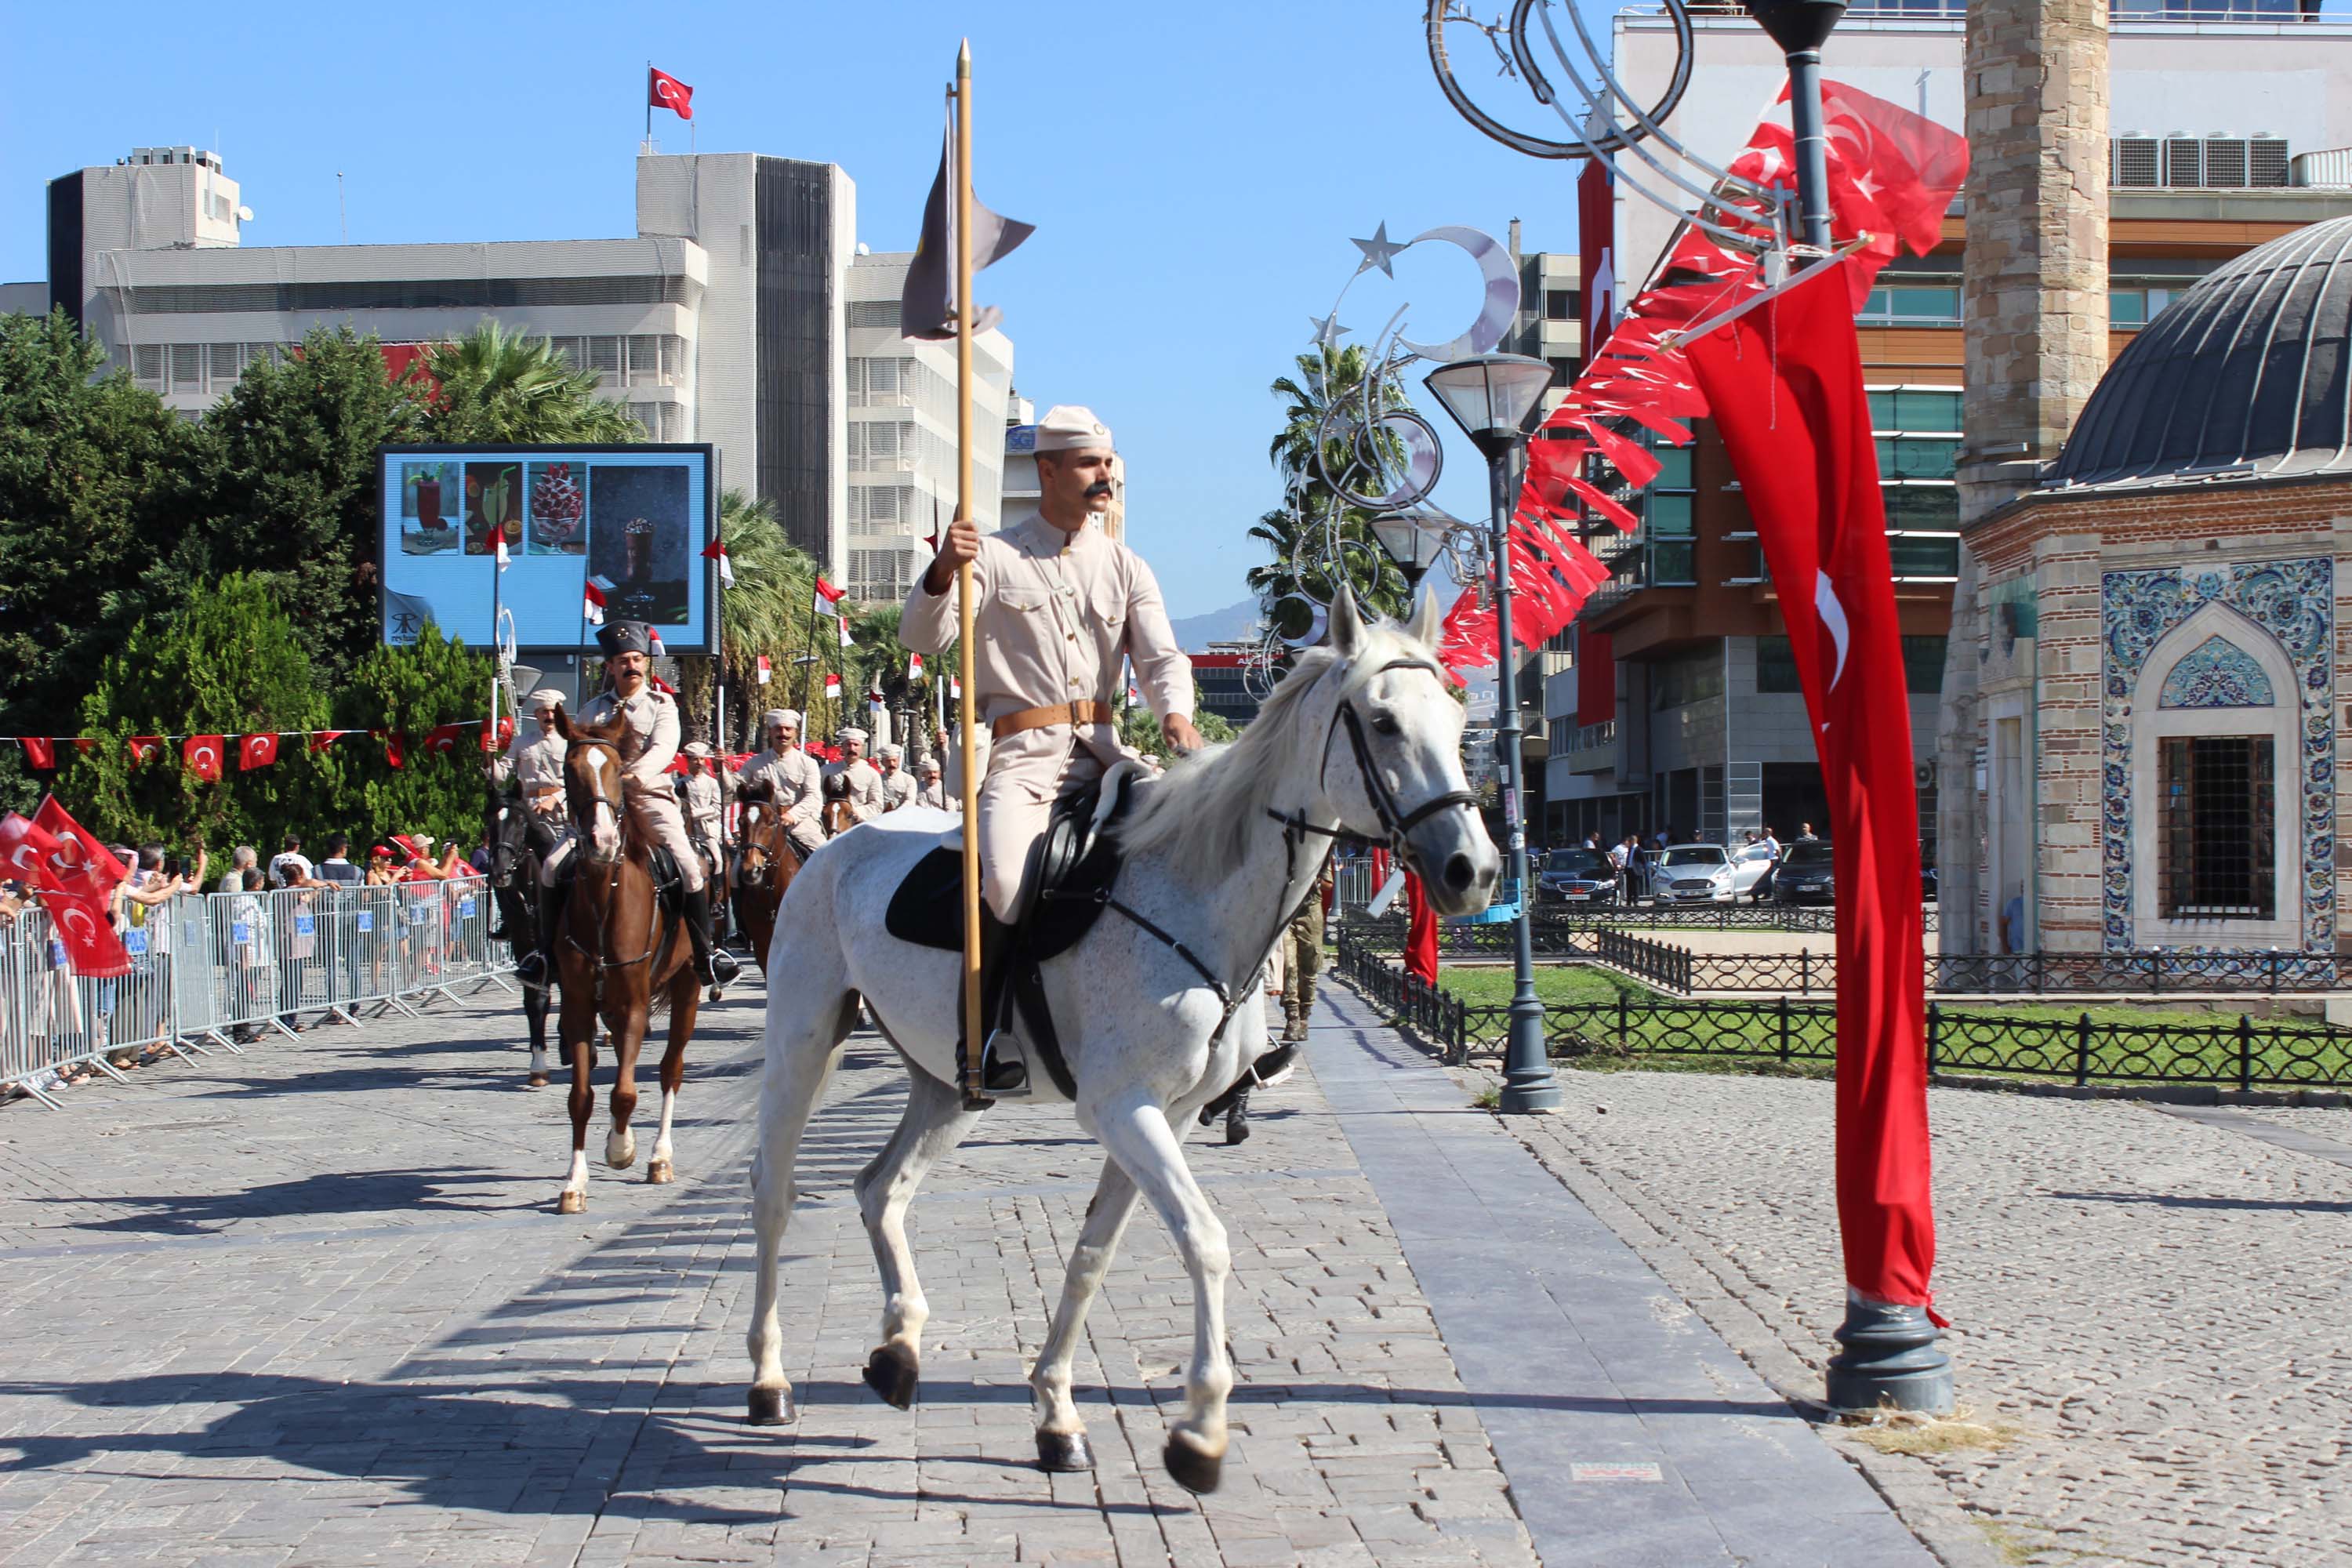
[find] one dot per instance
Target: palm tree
(1325, 379)
(766, 611)
(513, 388)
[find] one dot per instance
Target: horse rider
(932, 791)
(1057, 604)
(535, 763)
(897, 784)
(648, 741)
(704, 793)
(788, 779)
(865, 783)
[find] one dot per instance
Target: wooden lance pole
(974, 1036)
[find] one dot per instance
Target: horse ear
(1347, 622)
(1426, 622)
(562, 723)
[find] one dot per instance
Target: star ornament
(1379, 251)
(1328, 330)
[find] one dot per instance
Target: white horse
(1157, 1007)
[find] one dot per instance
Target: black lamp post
(1891, 1356)
(1410, 540)
(1491, 397)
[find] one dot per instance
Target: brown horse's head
(837, 817)
(591, 783)
(760, 840)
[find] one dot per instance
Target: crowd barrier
(212, 972)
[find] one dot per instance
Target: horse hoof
(717, 994)
(770, 1407)
(539, 1080)
(1194, 1468)
(620, 1156)
(659, 1172)
(571, 1203)
(1064, 1453)
(890, 1372)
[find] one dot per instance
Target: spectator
(248, 949)
(290, 867)
(1621, 861)
(1805, 833)
(337, 871)
(1772, 843)
(380, 872)
(244, 860)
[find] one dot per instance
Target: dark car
(1576, 878)
(1803, 876)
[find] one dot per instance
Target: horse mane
(1202, 810)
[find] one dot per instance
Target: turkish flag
(442, 739)
(1785, 382)
(767, 671)
(78, 865)
(717, 550)
(826, 600)
(144, 747)
(256, 751)
(322, 739)
(202, 756)
(664, 91)
(832, 686)
(25, 847)
(40, 751)
(495, 741)
(1420, 932)
(395, 752)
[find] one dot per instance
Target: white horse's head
(1391, 766)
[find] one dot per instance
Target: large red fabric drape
(1420, 932)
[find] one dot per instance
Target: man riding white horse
(788, 779)
(1057, 604)
(648, 741)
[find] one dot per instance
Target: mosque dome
(2248, 374)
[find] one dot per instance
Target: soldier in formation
(788, 779)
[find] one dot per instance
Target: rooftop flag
(664, 91)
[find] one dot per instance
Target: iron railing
(2239, 1052)
(212, 972)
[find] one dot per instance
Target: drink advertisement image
(633, 519)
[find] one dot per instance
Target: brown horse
(766, 861)
(619, 955)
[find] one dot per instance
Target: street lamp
(1413, 540)
(1490, 397)
(1800, 27)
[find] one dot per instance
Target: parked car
(1751, 871)
(1577, 877)
(1804, 877)
(1694, 874)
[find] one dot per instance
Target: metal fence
(213, 972)
(2238, 1052)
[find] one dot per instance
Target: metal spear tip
(1798, 25)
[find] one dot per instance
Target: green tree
(290, 488)
(95, 485)
(1325, 379)
(511, 388)
(230, 662)
(1138, 728)
(407, 690)
(766, 611)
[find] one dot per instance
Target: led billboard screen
(631, 520)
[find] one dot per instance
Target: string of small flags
(207, 756)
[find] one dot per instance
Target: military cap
(852, 732)
(545, 697)
(623, 637)
(1070, 429)
(890, 749)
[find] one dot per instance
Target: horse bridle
(605, 910)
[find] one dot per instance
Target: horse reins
(604, 907)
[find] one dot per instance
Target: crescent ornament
(1499, 305)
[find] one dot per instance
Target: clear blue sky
(1195, 172)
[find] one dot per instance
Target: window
(874, 314)
(1924, 557)
(1692, 678)
(2216, 827)
(1910, 507)
(1918, 453)
(1911, 305)
(1918, 457)
(1559, 304)
(1897, 409)
(1564, 371)
(2135, 306)
(1923, 665)
(1776, 666)
(1669, 519)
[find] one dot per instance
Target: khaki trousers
(1302, 951)
(1026, 775)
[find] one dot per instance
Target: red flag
(79, 864)
(495, 741)
(1785, 382)
(144, 747)
(846, 640)
(832, 686)
(664, 91)
(256, 751)
(201, 755)
(717, 550)
(767, 671)
(395, 752)
(498, 543)
(828, 598)
(593, 608)
(40, 751)
(1420, 932)
(25, 847)
(322, 739)
(914, 666)
(653, 638)
(442, 739)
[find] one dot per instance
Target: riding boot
(1237, 1126)
(709, 961)
(537, 967)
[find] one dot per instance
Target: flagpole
(498, 646)
(975, 1038)
(649, 106)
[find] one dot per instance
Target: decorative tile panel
(2294, 601)
(2217, 673)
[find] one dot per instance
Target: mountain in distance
(1195, 633)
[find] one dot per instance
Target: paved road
(310, 1306)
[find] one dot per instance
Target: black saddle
(669, 888)
(1078, 861)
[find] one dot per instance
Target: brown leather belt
(1085, 713)
(544, 796)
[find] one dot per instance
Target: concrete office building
(725, 317)
(1682, 712)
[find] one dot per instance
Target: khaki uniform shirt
(935, 795)
(706, 807)
(864, 787)
(1054, 615)
(536, 764)
(650, 740)
(898, 789)
(793, 779)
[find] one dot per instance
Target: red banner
(1785, 382)
(201, 755)
(1420, 932)
(144, 747)
(256, 751)
(322, 739)
(40, 752)
(76, 877)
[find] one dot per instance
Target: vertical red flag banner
(201, 755)
(1785, 382)
(76, 877)
(664, 91)
(1420, 932)
(256, 751)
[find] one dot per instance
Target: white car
(1707, 874)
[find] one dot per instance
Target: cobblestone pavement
(2148, 1301)
(310, 1306)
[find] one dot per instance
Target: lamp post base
(1891, 1361)
(1530, 1086)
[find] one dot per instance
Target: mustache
(1099, 487)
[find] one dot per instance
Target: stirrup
(1001, 1071)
